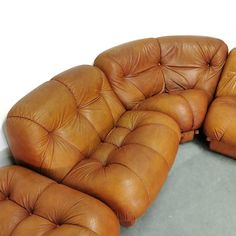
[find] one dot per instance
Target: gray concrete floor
(198, 198)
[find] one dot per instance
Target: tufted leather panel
(31, 204)
(220, 122)
(74, 129)
(128, 169)
(140, 69)
(62, 121)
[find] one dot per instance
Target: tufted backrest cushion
(227, 84)
(143, 68)
(63, 120)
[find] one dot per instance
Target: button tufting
(31, 212)
(159, 64)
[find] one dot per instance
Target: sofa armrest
(227, 84)
(62, 121)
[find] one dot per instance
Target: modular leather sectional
(94, 145)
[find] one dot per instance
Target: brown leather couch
(220, 123)
(110, 131)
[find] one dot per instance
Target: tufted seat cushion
(31, 204)
(128, 169)
(186, 107)
(143, 69)
(75, 130)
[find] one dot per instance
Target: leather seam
(164, 84)
(78, 113)
(33, 121)
(193, 120)
(19, 221)
(91, 125)
(113, 120)
(125, 166)
(217, 50)
(101, 93)
(136, 88)
(50, 184)
(68, 89)
(114, 60)
(143, 145)
(138, 73)
(78, 225)
(225, 130)
(158, 124)
(44, 155)
(26, 209)
(70, 144)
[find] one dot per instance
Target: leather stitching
(78, 225)
(193, 120)
(77, 105)
(145, 188)
(143, 145)
(26, 118)
(158, 124)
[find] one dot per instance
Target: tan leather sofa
(110, 131)
(220, 123)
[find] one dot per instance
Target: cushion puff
(187, 107)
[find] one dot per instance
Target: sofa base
(188, 136)
(223, 148)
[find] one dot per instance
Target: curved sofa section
(154, 73)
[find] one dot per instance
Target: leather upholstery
(75, 130)
(114, 141)
(186, 107)
(129, 168)
(31, 204)
(220, 123)
(62, 121)
(142, 70)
